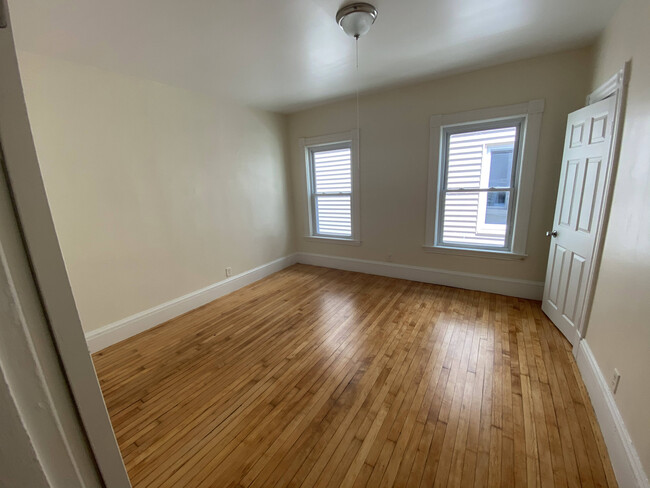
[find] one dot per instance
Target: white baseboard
(625, 460)
(492, 284)
(123, 329)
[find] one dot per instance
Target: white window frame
(348, 139)
(530, 115)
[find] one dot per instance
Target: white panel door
(577, 213)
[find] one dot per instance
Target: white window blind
(478, 187)
(331, 192)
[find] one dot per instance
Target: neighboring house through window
(481, 169)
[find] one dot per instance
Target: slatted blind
(466, 191)
(332, 191)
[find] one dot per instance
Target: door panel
(556, 275)
(569, 190)
(577, 133)
(574, 287)
(586, 213)
(577, 213)
(598, 129)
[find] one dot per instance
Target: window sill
(476, 253)
(334, 240)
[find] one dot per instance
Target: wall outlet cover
(613, 382)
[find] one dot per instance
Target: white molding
(492, 284)
(530, 148)
(475, 253)
(488, 114)
(45, 442)
(324, 140)
(617, 81)
(333, 240)
(532, 112)
(115, 332)
(615, 86)
(123, 329)
(625, 460)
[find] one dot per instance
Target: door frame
(615, 86)
(48, 273)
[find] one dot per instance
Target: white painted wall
(394, 156)
(619, 327)
(154, 190)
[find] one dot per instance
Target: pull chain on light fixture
(356, 19)
(356, 44)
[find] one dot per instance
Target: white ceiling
(284, 55)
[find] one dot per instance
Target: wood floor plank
(315, 377)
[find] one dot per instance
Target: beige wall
(619, 328)
(395, 153)
(154, 190)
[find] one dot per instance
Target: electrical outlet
(228, 272)
(613, 382)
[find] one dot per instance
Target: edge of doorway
(615, 86)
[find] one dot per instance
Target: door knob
(552, 233)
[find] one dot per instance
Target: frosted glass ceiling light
(355, 19)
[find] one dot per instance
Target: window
(478, 184)
(331, 163)
(482, 168)
(331, 190)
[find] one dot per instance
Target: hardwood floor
(319, 377)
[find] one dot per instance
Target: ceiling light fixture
(356, 19)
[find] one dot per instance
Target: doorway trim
(45, 260)
(615, 86)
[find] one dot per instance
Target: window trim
(307, 144)
(531, 115)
